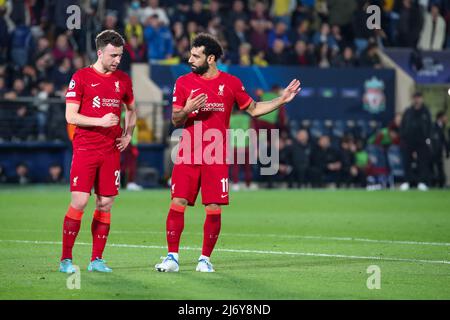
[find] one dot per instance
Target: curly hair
(212, 46)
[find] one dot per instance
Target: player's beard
(200, 69)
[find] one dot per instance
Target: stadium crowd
(38, 56)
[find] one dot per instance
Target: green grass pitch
(277, 244)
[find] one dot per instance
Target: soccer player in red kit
(203, 100)
(94, 101)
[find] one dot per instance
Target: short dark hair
(109, 37)
(440, 114)
(212, 46)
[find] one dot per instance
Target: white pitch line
(256, 235)
(310, 254)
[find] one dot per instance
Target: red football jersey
(223, 91)
(99, 94)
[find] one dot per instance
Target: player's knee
(180, 202)
(213, 209)
(104, 204)
(79, 202)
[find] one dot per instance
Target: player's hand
(196, 103)
(122, 142)
(109, 120)
(290, 91)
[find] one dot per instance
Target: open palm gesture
(290, 91)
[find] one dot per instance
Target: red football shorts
(188, 179)
(93, 168)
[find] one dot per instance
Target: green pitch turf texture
(277, 244)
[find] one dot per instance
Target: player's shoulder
(230, 78)
(122, 75)
(82, 71)
(185, 77)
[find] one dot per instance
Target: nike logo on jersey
(223, 196)
(193, 91)
(94, 85)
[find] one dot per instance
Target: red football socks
(174, 227)
(211, 230)
(100, 230)
(71, 227)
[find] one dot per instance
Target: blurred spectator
(301, 55)
(301, 13)
(42, 47)
(323, 56)
(152, 9)
(260, 59)
(279, 32)
(346, 59)
(3, 177)
(132, 52)
(4, 37)
(325, 36)
(2, 87)
(301, 32)
(21, 44)
(111, 22)
(55, 174)
(158, 38)
(360, 31)
(46, 91)
(440, 148)
(415, 134)
(340, 14)
(409, 24)
(326, 164)
(197, 14)
(134, 28)
(18, 90)
(258, 36)
(352, 175)
(61, 73)
(388, 135)
(192, 29)
(62, 49)
(285, 164)
(301, 156)
(278, 54)
(23, 124)
(43, 66)
(178, 31)
(245, 58)
(182, 49)
(432, 36)
(22, 174)
(282, 10)
(337, 35)
(29, 77)
(237, 36)
(237, 12)
(78, 62)
(370, 57)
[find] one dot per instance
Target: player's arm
(256, 109)
(180, 115)
(130, 124)
(75, 118)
